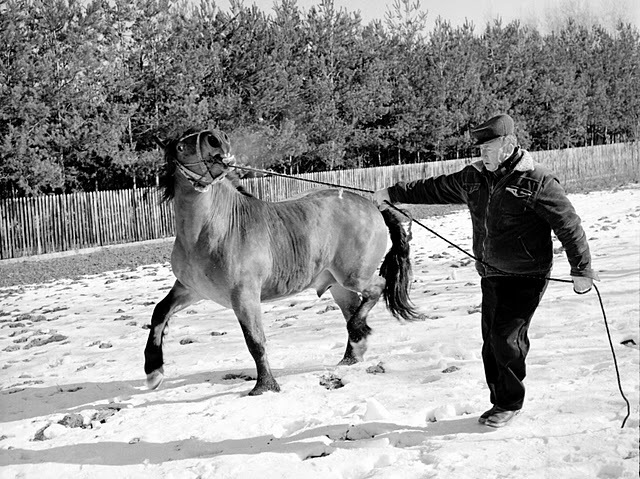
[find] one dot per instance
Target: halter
(196, 179)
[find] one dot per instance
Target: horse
(238, 251)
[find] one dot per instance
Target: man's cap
(499, 125)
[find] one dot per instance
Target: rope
(615, 361)
(273, 173)
(604, 314)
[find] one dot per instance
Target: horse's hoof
(154, 379)
(264, 387)
(348, 361)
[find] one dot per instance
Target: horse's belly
(282, 287)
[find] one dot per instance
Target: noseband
(196, 178)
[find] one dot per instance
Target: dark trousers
(508, 304)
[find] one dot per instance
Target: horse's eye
(180, 148)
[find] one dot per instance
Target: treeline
(86, 85)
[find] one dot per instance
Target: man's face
(492, 154)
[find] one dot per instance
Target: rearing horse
(238, 251)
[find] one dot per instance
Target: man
(514, 205)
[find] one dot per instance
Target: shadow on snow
(328, 439)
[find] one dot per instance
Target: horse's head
(203, 157)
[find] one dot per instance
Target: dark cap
(500, 125)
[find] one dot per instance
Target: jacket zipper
(492, 187)
(486, 222)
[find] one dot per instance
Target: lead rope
(604, 314)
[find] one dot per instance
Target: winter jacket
(512, 211)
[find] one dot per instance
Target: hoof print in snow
(30, 317)
(315, 455)
(104, 414)
(54, 338)
(331, 381)
(243, 376)
(72, 420)
(39, 435)
(15, 325)
(330, 307)
(105, 345)
(16, 333)
(450, 369)
(377, 369)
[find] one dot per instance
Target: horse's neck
(212, 210)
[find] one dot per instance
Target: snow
(72, 355)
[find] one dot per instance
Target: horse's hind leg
(247, 309)
(355, 309)
(178, 298)
(349, 303)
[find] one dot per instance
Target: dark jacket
(512, 211)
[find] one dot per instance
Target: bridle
(197, 178)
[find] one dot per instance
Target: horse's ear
(160, 143)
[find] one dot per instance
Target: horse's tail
(396, 270)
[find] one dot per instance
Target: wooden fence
(47, 224)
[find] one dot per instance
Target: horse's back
(335, 212)
(324, 236)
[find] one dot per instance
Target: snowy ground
(73, 404)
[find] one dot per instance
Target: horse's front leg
(246, 305)
(178, 298)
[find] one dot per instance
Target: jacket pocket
(512, 205)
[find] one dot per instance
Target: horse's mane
(167, 174)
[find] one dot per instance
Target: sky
(479, 11)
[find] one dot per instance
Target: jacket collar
(521, 160)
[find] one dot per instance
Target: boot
(483, 417)
(500, 417)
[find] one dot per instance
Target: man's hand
(582, 284)
(380, 197)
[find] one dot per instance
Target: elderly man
(514, 204)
